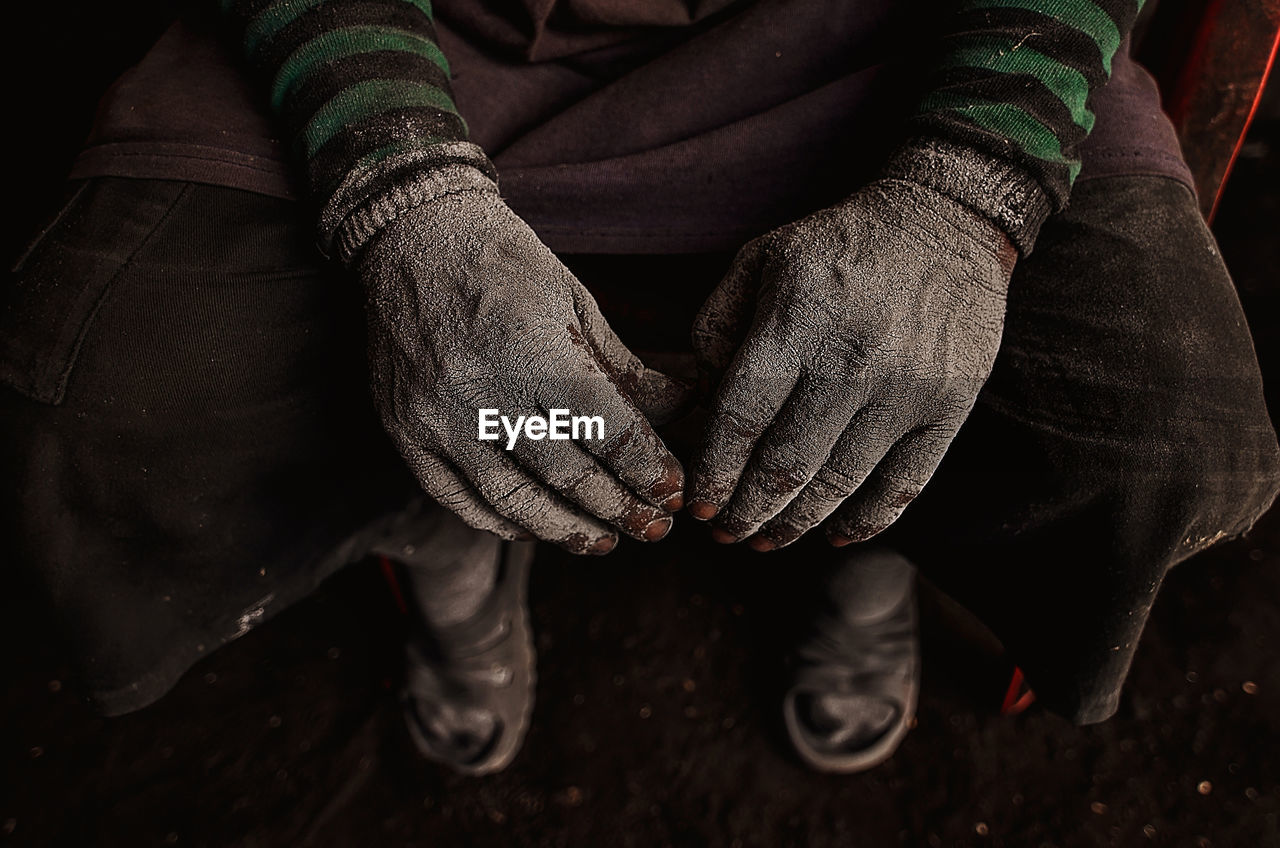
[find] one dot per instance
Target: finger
(722, 323)
(861, 447)
(573, 473)
(525, 501)
(663, 399)
(628, 446)
(658, 396)
(452, 491)
(791, 451)
(894, 484)
(756, 386)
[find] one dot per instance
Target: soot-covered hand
(852, 345)
(468, 310)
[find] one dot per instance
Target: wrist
(1000, 191)
(371, 199)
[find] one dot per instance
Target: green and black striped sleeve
(363, 92)
(1013, 78)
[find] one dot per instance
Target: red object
(1212, 59)
(389, 574)
(1017, 695)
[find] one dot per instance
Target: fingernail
(724, 537)
(761, 544)
(838, 539)
(674, 502)
(603, 545)
(657, 529)
(526, 536)
(703, 510)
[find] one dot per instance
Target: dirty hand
(855, 342)
(468, 310)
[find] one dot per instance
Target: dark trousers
(188, 424)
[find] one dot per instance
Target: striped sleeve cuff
(358, 228)
(1005, 193)
(1015, 77)
(363, 91)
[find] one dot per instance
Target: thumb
(660, 398)
(725, 317)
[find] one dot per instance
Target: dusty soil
(655, 726)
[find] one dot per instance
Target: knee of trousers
(184, 359)
(185, 418)
(1127, 338)
(1203, 461)
(1214, 494)
(1123, 430)
(1187, 469)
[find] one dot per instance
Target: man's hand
(467, 310)
(855, 341)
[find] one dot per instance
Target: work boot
(855, 678)
(470, 662)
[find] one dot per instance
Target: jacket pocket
(63, 277)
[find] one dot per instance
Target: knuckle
(459, 387)
(956, 401)
(520, 502)
(712, 491)
(899, 487)
(711, 482)
(737, 524)
(632, 454)
(811, 507)
(899, 498)
(453, 496)
(833, 483)
(780, 472)
(732, 427)
(810, 512)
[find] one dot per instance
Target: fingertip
(724, 537)
(674, 503)
(658, 529)
(603, 545)
(761, 544)
(782, 535)
(703, 510)
(839, 540)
